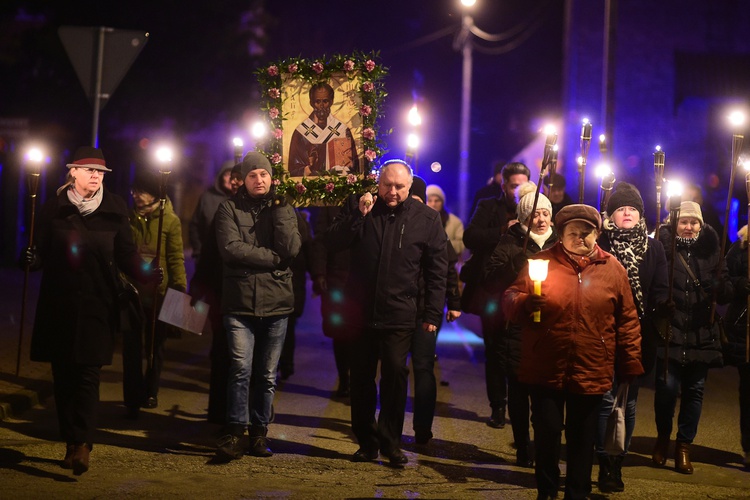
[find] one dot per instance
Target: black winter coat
(481, 236)
(694, 338)
(390, 248)
(502, 270)
(654, 276)
(736, 318)
(77, 314)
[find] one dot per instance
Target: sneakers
(228, 448)
(497, 419)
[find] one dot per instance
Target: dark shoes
(523, 459)
(67, 462)
(397, 458)
(259, 447)
(497, 419)
(610, 474)
(151, 402)
(659, 456)
(81, 459)
(422, 437)
(682, 458)
(228, 448)
(362, 455)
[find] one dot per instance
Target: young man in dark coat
(488, 223)
(393, 239)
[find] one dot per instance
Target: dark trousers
(342, 357)
(76, 400)
(153, 372)
(688, 382)
(518, 410)
(425, 386)
(219, 376)
(393, 348)
(744, 371)
(494, 373)
(133, 390)
(286, 363)
(551, 412)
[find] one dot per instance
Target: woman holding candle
(624, 235)
(505, 263)
(588, 334)
(694, 344)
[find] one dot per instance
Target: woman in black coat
(736, 324)
(83, 239)
(503, 267)
(694, 344)
(624, 235)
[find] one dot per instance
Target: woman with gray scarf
(83, 239)
(624, 235)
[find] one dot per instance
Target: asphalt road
(168, 452)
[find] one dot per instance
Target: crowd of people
(617, 308)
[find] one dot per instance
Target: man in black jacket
(488, 223)
(393, 240)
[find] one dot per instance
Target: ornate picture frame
(323, 151)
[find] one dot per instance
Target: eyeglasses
(92, 171)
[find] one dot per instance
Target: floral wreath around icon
(328, 189)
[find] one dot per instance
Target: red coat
(588, 325)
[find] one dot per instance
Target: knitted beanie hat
(434, 189)
(252, 161)
(691, 209)
(625, 195)
(525, 201)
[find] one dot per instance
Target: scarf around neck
(85, 206)
(629, 247)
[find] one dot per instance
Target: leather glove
(29, 257)
(156, 275)
(534, 303)
(319, 285)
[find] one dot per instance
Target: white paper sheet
(176, 310)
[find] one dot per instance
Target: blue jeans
(608, 401)
(254, 349)
(689, 380)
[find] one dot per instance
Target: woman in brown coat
(588, 332)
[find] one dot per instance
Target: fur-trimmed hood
(706, 244)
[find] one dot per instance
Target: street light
(412, 147)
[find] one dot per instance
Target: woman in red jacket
(588, 332)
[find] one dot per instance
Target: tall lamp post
(413, 139)
(238, 151)
(34, 159)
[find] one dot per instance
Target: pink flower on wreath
(372, 176)
(368, 134)
(275, 182)
(300, 188)
(317, 67)
(365, 110)
(348, 65)
(329, 187)
(370, 155)
(351, 179)
(293, 68)
(278, 133)
(370, 65)
(273, 113)
(273, 70)
(276, 158)
(274, 93)
(368, 86)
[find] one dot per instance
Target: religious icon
(326, 138)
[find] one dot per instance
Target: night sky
(197, 69)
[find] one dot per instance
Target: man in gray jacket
(257, 237)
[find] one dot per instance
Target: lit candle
(538, 273)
